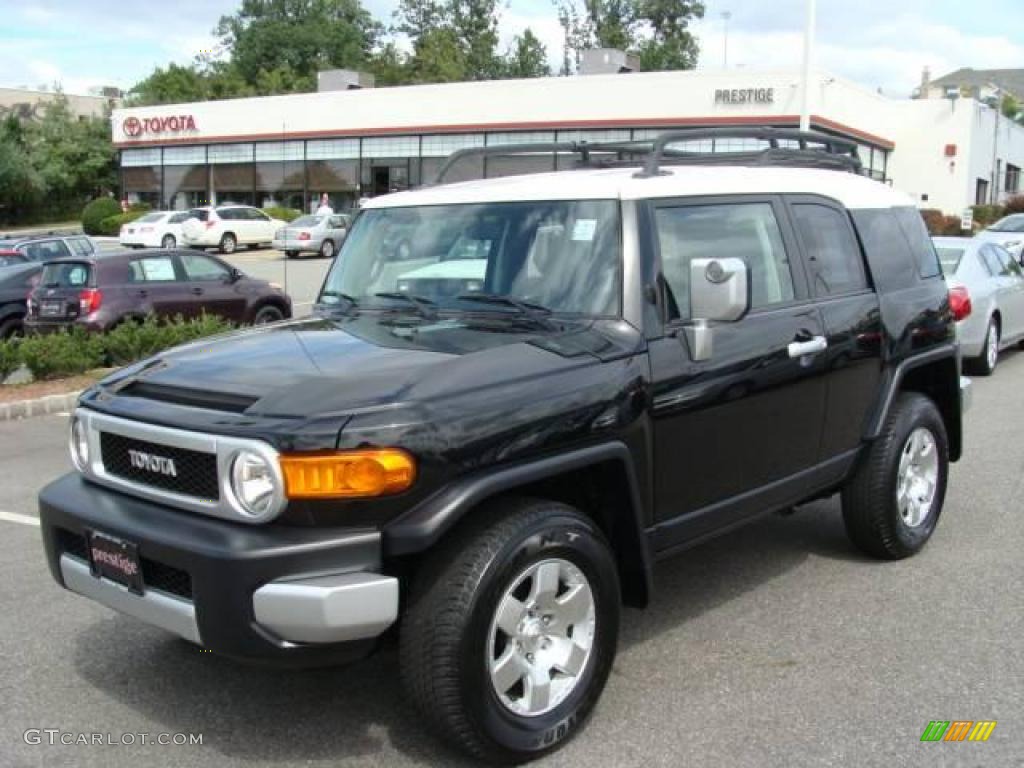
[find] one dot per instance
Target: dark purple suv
(100, 291)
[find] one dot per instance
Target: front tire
(169, 242)
(892, 504)
(511, 630)
(985, 363)
(268, 314)
(228, 243)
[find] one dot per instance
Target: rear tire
(985, 363)
(228, 243)
(327, 249)
(169, 242)
(892, 504)
(545, 572)
(11, 328)
(290, 254)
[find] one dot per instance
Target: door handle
(142, 294)
(812, 347)
(197, 291)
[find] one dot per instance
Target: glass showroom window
(141, 176)
(231, 173)
(186, 177)
(436, 150)
(332, 167)
(280, 175)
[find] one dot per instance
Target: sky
(878, 43)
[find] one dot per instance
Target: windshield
(562, 255)
(307, 221)
(1014, 223)
(949, 258)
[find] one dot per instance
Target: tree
(1013, 109)
(451, 39)
(297, 38)
(176, 84)
(671, 44)
(527, 57)
(21, 187)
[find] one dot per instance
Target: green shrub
(1014, 205)
(131, 341)
(54, 355)
(10, 358)
(96, 211)
(284, 214)
(111, 225)
(987, 214)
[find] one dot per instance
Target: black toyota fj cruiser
(482, 442)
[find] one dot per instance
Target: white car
(159, 229)
(1007, 232)
(228, 226)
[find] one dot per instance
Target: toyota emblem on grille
(152, 463)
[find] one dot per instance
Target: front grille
(155, 575)
(195, 472)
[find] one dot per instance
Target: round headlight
(253, 483)
(79, 444)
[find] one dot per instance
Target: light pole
(726, 15)
(805, 101)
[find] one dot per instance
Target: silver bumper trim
(966, 394)
(168, 612)
(328, 609)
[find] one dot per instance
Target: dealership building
(358, 142)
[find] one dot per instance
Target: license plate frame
(116, 560)
(51, 309)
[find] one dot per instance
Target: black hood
(341, 364)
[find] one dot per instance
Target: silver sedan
(313, 234)
(992, 280)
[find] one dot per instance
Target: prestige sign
(744, 96)
(135, 127)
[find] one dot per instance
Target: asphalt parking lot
(777, 645)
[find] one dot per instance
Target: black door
(734, 432)
(838, 281)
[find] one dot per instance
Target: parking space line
(12, 517)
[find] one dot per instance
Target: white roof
(851, 190)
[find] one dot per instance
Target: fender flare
(423, 525)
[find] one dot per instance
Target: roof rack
(812, 149)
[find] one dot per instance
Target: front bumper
(279, 594)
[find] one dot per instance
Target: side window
(888, 253)
(832, 253)
(155, 269)
(1006, 263)
(228, 214)
(747, 231)
(81, 246)
(202, 268)
(988, 261)
(254, 214)
(46, 250)
(338, 222)
(921, 245)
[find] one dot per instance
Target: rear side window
(46, 250)
(149, 218)
(199, 213)
(747, 231)
(832, 253)
(66, 275)
(886, 248)
(989, 261)
(155, 269)
(82, 246)
(921, 245)
(178, 218)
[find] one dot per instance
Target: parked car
(490, 475)
(49, 246)
(16, 282)
(313, 234)
(159, 229)
(990, 279)
(100, 292)
(228, 226)
(1007, 232)
(12, 259)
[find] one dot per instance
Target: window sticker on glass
(584, 229)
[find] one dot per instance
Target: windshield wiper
(350, 301)
(424, 306)
(526, 307)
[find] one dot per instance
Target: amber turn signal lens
(347, 474)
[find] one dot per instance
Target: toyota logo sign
(133, 127)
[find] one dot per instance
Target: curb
(40, 406)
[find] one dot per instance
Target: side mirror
(719, 289)
(235, 275)
(719, 292)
